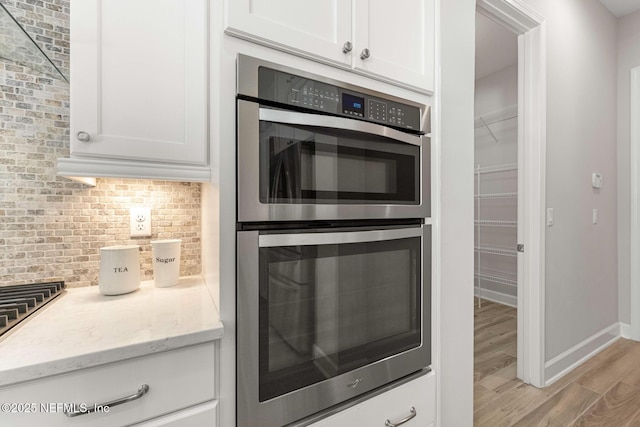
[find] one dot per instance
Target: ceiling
(621, 8)
(496, 47)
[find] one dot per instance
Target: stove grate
(17, 302)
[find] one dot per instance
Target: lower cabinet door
(411, 405)
(144, 388)
(202, 415)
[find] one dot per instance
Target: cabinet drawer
(393, 405)
(205, 414)
(177, 379)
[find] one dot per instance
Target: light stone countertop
(83, 328)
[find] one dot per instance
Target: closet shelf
(496, 279)
(504, 114)
(496, 251)
(490, 223)
(482, 122)
(498, 168)
(497, 196)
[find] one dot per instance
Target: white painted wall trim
(635, 200)
(516, 15)
(529, 25)
(579, 353)
(625, 330)
(86, 167)
(533, 107)
(494, 296)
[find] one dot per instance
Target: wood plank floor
(604, 391)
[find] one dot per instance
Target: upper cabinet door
(139, 73)
(395, 40)
(308, 28)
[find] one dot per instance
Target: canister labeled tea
(119, 269)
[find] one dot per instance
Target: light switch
(596, 180)
(549, 217)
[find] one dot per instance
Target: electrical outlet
(140, 222)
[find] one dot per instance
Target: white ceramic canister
(166, 262)
(119, 269)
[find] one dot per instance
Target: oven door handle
(319, 120)
(314, 239)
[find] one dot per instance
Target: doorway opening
(496, 206)
(530, 114)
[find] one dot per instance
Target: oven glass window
(328, 309)
(314, 165)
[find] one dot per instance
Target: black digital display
(353, 105)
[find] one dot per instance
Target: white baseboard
(579, 353)
(498, 297)
(625, 330)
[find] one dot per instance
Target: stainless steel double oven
(333, 253)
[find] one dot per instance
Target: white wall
(454, 126)
(496, 97)
(581, 295)
(628, 58)
(497, 90)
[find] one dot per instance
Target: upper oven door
(296, 166)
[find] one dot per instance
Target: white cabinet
(139, 88)
(390, 41)
(181, 392)
(307, 28)
(395, 40)
(414, 401)
(205, 414)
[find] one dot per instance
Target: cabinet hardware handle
(346, 48)
(82, 409)
(404, 420)
(365, 54)
(83, 136)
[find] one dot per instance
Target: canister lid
(119, 247)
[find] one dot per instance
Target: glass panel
(17, 46)
(326, 310)
(329, 171)
(320, 165)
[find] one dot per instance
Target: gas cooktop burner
(20, 301)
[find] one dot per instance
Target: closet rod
(490, 223)
(497, 196)
(498, 168)
(496, 251)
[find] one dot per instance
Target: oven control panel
(291, 89)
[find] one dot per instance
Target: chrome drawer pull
(404, 420)
(87, 409)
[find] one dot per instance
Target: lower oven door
(325, 316)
